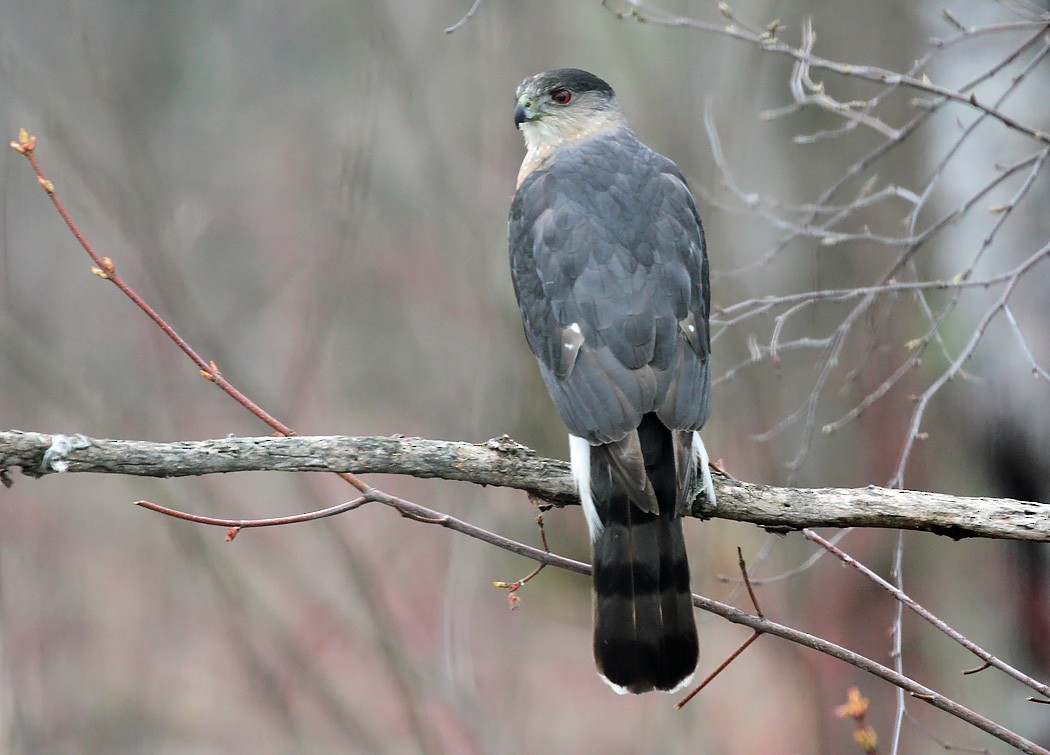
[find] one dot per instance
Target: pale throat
(545, 135)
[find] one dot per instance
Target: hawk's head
(564, 104)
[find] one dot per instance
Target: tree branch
(504, 463)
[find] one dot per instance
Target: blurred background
(315, 195)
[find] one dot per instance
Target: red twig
(245, 523)
(744, 646)
(513, 587)
(105, 269)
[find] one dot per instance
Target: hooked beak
(523, 112)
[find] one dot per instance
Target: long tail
(644, 631)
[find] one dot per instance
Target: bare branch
(914, 605)
(502, 462)
(924, 399)
(462, 22)
(870, 73)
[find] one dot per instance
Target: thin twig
(105, 269)
(246, 523)
(868, 73)
(470, 14)
(718, 670)
(898, 643)
(906, 600)
(743, 646)
(804, 566)
(513, 587)
(927, 395)
(1037, 370)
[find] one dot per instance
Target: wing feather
(606, 240)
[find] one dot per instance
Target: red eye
(561, 96)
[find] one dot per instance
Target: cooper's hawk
(610, 270)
